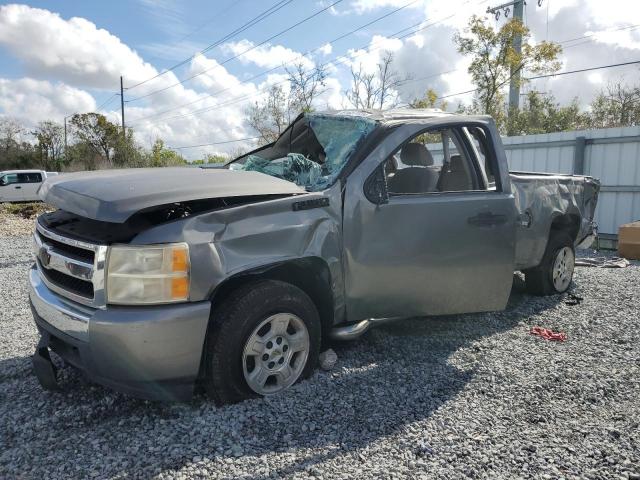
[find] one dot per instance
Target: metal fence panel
(612, 155)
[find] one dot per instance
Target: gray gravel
(472, 395)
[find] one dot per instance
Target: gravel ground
(462, 396)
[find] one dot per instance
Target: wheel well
(311, 275)
(568, 223)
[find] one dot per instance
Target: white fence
(611, 155)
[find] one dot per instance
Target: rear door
(30, 182)
(437, 246)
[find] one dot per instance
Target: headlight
(148, 274)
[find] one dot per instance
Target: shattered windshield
(312, 152)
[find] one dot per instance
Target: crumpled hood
(115, 195)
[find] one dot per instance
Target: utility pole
(122, 105)
(514, 85)
(65, 134)
(518, 13)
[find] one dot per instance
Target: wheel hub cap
(563, 269)
(275, 353)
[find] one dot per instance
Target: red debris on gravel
(548, 334)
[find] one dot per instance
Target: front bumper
(149, 352)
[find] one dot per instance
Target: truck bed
(541, 198)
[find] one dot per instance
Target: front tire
(555, 272)
(263, 338)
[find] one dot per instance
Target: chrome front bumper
(62, 314)
(149, 352)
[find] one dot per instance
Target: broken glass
(312, 152)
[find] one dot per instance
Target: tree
(125, 151)
(164, 157)
(97, 132)
(541, 114)
(617, 106)
(213, 158)
(10, 131)
(50, 136)
(375, 90)
(388, 80)
(271, 116)
(304, 87)
(15, 153)
(493, 59)
(430, 100)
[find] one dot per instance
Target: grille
(76, 252)
(72, 284)
(71, 268)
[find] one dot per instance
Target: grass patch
(25, 210)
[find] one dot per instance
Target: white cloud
(326, 49)
(266, 56)
(362, 6)
(33, 101)
(73, 50)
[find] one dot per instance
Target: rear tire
(263, 338)
(555, 272)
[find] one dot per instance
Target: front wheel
(555, 272)
(263, 338)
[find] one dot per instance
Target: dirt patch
(17, 219)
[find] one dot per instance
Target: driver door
(10, 188)
(443, 241)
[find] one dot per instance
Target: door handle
(487, 219)
(17, 188)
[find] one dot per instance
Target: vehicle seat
(419, 176)
(455, 177)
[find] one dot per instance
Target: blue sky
(61, 57)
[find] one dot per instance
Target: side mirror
(375, 188)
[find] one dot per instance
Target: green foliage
(50, 147)
(209, 158)
(163, 157)
(541, 114)
(96, 132)
(616, 106)
(430, 100)
(494, 61)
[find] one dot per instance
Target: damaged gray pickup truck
(154, 281)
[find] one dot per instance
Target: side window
(431, 162)
(8, 179)
(29, 178)
(484, 152)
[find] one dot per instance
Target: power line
(584, 70)
(552, 75)
(628, 27)
(216, 143)
(258, 18)
(338, 60)
(266, 72)
(242, 53)
(215, 17)
(107, 101)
